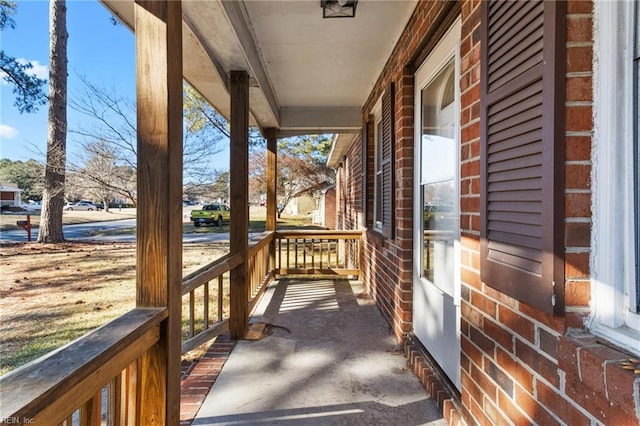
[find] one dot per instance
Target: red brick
(579, 89)
(576, 265)
(503, 380)
(577, 205)
(579, 6)
(496, 417)
(478, 414)
(579, 29)
(568, 351)
(620, 386)
(470, 278)
(486, 384)
(471, 351)
(559, 405)
(579, 118)
(592, 359)
(501, 297)
(537, 362)
(577, 234)
(548, 342)
(579, 58)
(578, 148)
(533, 409)
(597, 405)
(516, 322)
(521, 375)
(556, 323)
(485, 305)
(577, 293)
(577, 176)
(483, 342)
(498, 334)
(511, 410)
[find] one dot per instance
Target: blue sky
(97, 49)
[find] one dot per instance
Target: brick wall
(518, 365)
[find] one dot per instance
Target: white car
(81, 206)
(31, 206)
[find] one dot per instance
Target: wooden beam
(272, 177)
(239, 189)
(158, 28)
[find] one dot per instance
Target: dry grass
(53, 294)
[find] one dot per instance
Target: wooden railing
(90, 380)
(260, 268)
(204, 312)
(318, 252)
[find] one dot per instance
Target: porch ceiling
(308, 74)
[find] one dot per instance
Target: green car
(215, 214)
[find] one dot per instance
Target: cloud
(39, 70)
(8, 132)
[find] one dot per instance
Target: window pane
(438, 179)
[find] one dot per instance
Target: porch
(326, 356)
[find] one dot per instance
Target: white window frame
(613, 257)
(377, 164)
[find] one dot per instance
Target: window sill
(599, 376)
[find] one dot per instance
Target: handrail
(51, 388)
(209, 272)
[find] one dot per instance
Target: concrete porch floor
(327, 357)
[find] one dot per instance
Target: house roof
(9, 187)
(308, 74)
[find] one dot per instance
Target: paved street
(88, 231)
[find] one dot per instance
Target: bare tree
(53, 195)
(103, 175)
(301, 170)
(112, 123)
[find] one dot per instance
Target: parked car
(211, 213)
(81, 206)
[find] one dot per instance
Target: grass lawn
(51, 294)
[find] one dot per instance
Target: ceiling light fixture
(338, 8)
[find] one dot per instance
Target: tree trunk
(53, 196)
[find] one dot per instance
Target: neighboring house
(304, 204)
(10, 194)
(496, 175)
(325, 212)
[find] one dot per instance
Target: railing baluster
(114, 401)
(206, 306)
(192, 313)
(220, 297)
(131, 390)
(90, 411)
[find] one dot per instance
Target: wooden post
(272, 177)
(158, 28)
(272, 182)
(239, 189)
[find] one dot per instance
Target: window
(615, 288)
(439, 177)
(384, 137)
(377, 217)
